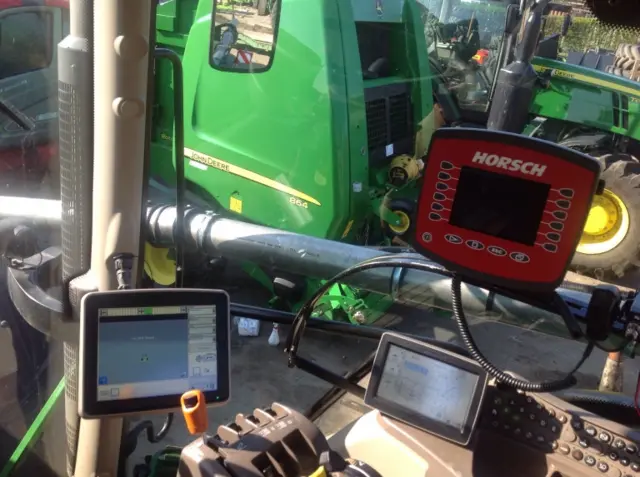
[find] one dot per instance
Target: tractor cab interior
(286, 161)
(468, 40)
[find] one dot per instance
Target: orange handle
(194, 410)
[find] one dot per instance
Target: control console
(570, 434)
(272, 441)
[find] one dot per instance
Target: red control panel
(504, 209)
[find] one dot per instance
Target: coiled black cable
(130, 440)
(411, 261)
(528, 386)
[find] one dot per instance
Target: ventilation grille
(75, 233)
(389, 121)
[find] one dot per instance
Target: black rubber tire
(263, 7)
(625, 185)
(627, 63)
(401, 205)
(619, 61)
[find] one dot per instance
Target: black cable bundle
(414, 263)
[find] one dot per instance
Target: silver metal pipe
(41, 211)
(314, 257)
(308, 256)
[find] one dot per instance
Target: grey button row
(492, 249)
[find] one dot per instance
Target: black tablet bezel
(88, 404)
(411, 417)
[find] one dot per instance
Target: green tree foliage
(586, 33)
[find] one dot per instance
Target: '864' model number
(298, 202)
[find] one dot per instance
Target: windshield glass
(309, 117)
(465, 39)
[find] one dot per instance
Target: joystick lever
(194, 410)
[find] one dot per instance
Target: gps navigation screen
(436, 390)
(156, 351)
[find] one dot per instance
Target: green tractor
(516, 81)
(336, 152)
(296, 127)
(314, 117)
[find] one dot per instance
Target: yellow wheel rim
(158, 266)
(607, 224)
(405, 223)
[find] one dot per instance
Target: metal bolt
(359, 317)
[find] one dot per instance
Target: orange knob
(194, 410)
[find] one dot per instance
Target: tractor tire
(263, 7)
(406, 209)
(627, 65)
(615, 246)
(620, 60)
(628, 50)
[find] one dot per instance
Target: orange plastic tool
(194, 410)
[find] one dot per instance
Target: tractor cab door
(467, 43)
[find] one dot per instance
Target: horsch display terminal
(503, 209)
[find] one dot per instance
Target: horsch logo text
(506, 163)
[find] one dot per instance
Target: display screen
(434, 389)
(499, 205)
(159, 351)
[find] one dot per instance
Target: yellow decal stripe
(589, 80)
(246, 174)
(347, 229)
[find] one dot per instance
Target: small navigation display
(427, 386)
(154, 351)
(140, 350)
(432, 388)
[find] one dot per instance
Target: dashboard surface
(528, 435)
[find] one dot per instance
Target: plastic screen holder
(140, 350)
(503, 209)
